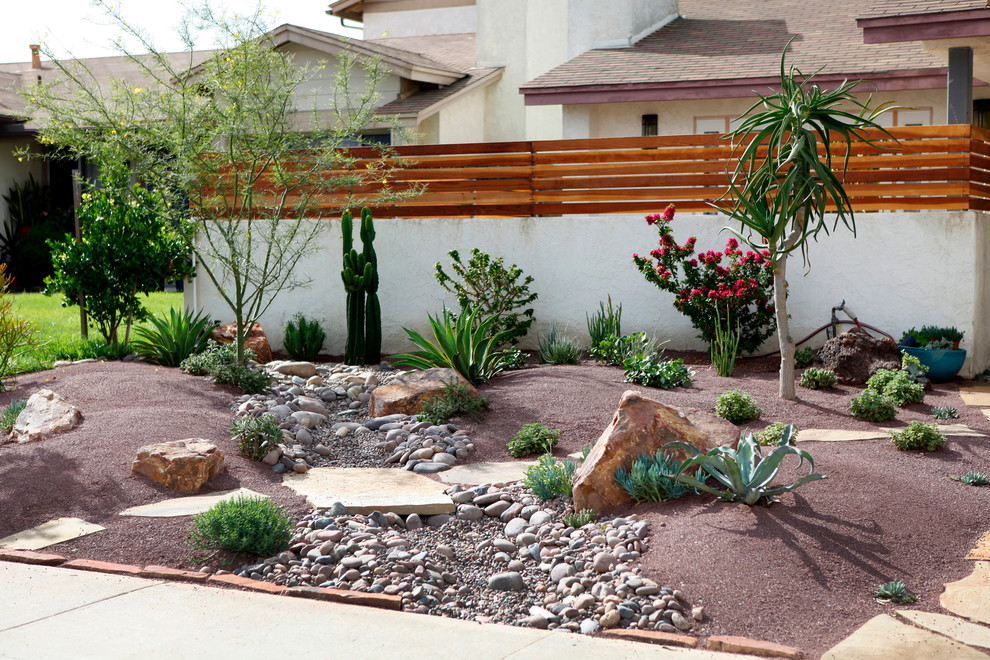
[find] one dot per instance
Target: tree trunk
(784, 339)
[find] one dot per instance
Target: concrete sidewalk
(55, 613)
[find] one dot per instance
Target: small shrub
(251, 381)
(804, 358)
(513, 358)
(533, 439)
(578, 519)
(548, 478)
(770, 436)
(303, 339)
(215, 355)
(647, 371)
(894, 592)
(9, 415)
(243, 524)
(170, 340)
(555, 348)
(919, 436)
(256, 436)
(944, 413)
(651, 478)
(873, 407)
(896, 386)
(615, 350)
(814, 378)
(495, 291)
(737, 407)
(455, 399)
(975, 479)
(604, 323)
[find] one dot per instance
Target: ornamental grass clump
(243, 524)
(814, 378)
(740, 282)
(725, 348)
(651, 478)
(549, 478)
(532, 439)
(919, 436)
(556, 348)
(744, 473)
(604, 323)
(873, 407)
(737, 407)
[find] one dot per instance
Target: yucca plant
(303, 338)
(786, 187)
(604, 323)
(170, 340)
(744, 472)
(463, 343)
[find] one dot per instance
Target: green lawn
(56, 328)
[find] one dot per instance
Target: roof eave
(923, 27)
(350, 9)
(681, 90)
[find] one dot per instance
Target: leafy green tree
(225, 136)
(130, 245)
(784, 179)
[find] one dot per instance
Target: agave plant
(463, 344)
(172, 339)
(744, 472)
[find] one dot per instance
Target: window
(651, 125)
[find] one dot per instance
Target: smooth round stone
(516, 566)
(610, 619)
(445, 458)
(525, 539)
(463, 497)
(322, 450)
(515, 527)
(540, 517)
(503, 545)
(496, 509)
(589, 626)
(413, 521)
(430, 467)
(603, 562)
(469, 512)
(560, 571)
(439, 519)
(680, 622)
(510, 581)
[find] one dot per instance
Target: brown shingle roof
(454, 50)
(421, 101)
(886, 8)
(718, 40)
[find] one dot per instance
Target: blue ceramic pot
(943, 365)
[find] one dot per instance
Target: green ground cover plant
(804, 357)
(455, 399)
(896, 386)
(549, 478)
(919, 436)
(815, 378)
(650, 371)
(532, 439)
(616, 349)
(944, 413)
(973, 478)
(873, 407)
(578, 519)
(256, 436)
(244, 524)
(737, 407)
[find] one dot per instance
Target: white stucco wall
(417, 22)
(678, 117)
(463, 120)
(902, 270)
(613, 24)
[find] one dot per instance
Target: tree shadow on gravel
(796, 526)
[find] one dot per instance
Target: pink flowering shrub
(738, 283)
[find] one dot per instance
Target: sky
(77, 28)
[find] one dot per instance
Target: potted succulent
(936, 348)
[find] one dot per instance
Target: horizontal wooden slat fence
(925, 168)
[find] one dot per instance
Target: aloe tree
(785, 178)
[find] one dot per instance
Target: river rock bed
(323, 413)
(504, 557)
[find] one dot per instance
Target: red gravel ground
(800, 572)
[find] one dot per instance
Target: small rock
(506, 582)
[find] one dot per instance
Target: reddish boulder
(180, 464)
(856, 355)
(256, 340)
(407, 393)
(642, 426)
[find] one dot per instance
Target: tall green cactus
(360, 277)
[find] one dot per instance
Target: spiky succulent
(975, 479)
(944, 413)
(894, 592)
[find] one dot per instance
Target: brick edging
(362, 598)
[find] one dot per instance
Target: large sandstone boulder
(854, 356)
(642, 426)
(407, 393)
(180, 464)
(45, 413)
(256, 340)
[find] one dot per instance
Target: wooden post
(76, 202)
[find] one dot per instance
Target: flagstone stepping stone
(976, 394)
(186, 506)
(837, 435)
(959, 430)
(363, 490)
(49, 533)
(950, 626)
(982, 550)
(884, 637)
(476, 474)
(970, 596)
